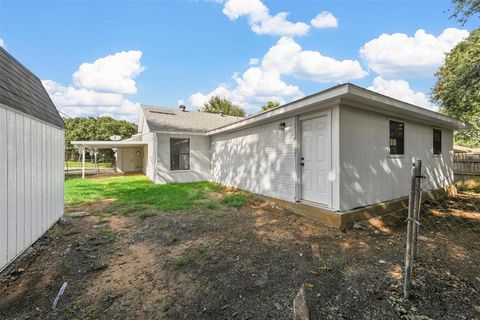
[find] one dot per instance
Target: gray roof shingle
(21, 90)
(167, 119)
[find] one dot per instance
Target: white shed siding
(31, 180)
(259, 159)
(199, 159)
(368, 174)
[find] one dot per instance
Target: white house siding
(150, 154)
(31, 181)
(199, 160)
(368, 174)
(129, 161)
(259, 159)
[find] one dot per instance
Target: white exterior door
(315, 159)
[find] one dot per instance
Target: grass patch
(235, 200)
(89, 165)
(146, 214)
(185, 258)
(467, 183)
(189, 255)
(135, 193)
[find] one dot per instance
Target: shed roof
(174, 120)
(21, 90)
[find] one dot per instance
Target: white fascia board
(288, 109)
(184, 133)
(384, 104)
(108, 144)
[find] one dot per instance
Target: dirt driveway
(244, 263)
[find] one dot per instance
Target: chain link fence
(105, 164)
(443, 238)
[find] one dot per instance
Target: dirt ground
(246, 263)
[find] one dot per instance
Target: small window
(397, 141)
(179, 154)
(437, 141)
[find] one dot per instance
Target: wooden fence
(464, 166)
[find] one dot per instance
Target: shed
(31, 162)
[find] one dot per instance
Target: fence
(73, 168)
(443, 237)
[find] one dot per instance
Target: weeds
(236, 200)
(189, 255)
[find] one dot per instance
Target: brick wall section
(259, 159)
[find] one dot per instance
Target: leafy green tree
(222, 105)
(100, 128)
(457, 89)
(270, 105)
(465, 9)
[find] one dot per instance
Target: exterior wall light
(282, 126)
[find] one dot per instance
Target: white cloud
(81, 102)
(2, 43)
(259, 84)
(113, 73)
(261, 22)
(398, 55)
(400, 89)
(288, 58)
(99, 88)
(253, 61)
(324, 19)
(253, 88)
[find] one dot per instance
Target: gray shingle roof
(20, 89)
(167, 119)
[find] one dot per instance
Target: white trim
(190, 133)
(354, 96)
(335, 157)
(109, 144)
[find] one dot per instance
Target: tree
(457, 89)
(100, 128)
(270, 105)
(222, 105)
(465, 9)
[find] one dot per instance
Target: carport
(130, 155)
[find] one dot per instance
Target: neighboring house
(343, 148)
(31, 160)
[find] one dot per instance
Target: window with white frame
(179, 154)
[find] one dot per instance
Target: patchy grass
(190, 255)
(468, 183)
(136, 194)
(235, 200)
(89, 165)
(146, 214)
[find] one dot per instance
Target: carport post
(83, 162)
(96, 165)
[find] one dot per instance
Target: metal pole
(408, 252)
(418, 200)
(83, 163)
(96, 166)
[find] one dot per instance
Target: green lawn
(89, 165)
(138, 194)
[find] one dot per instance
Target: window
(437, 141)
(179, 154)
(397, 141)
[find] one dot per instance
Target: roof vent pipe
(182, 107)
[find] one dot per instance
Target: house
(340, 149)
(31, 161)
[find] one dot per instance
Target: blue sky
(168, 52)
